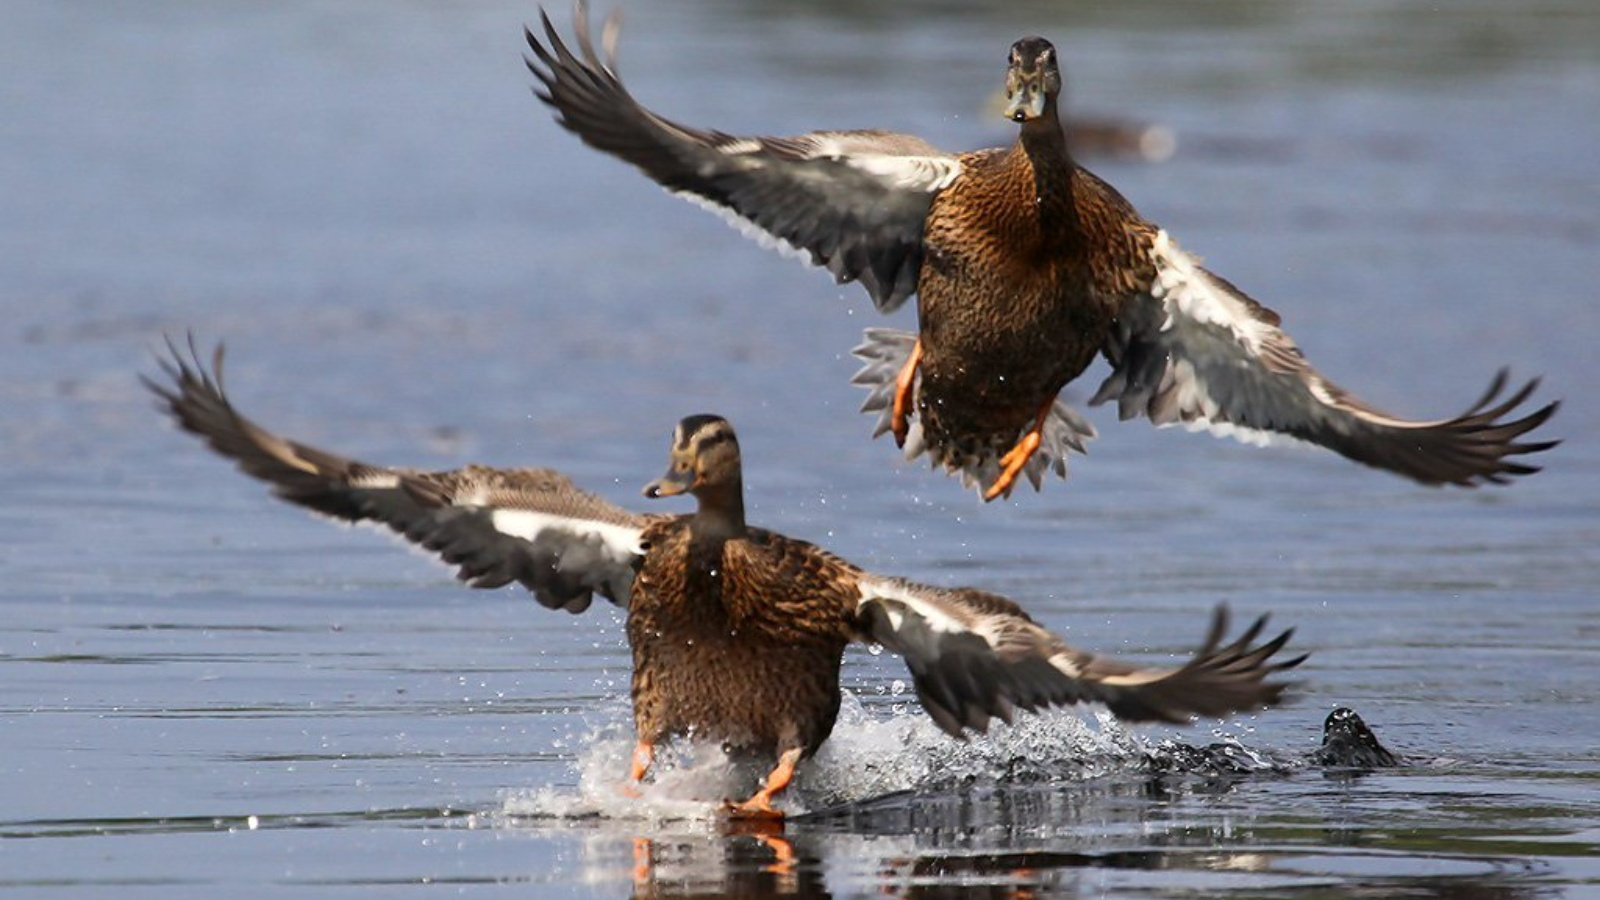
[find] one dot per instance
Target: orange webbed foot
(900, 413)
(644, 753)
(759, 807)
(1012, 464)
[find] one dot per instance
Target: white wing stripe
(744, 226)
(739, 147)
(372, 481)
(1244, 435)
(1064, 664)
(936, 618)
(1185, 289)
(924, 173)
(621, 542)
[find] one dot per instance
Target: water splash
(869, 755)
(873, 752)
(688, 783)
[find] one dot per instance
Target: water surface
(207, 692)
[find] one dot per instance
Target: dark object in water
(1347, 742)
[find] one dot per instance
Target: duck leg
(760, 805)
(1017, 457)
(903, 384)
(644, 753)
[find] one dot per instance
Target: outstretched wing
(976, 656)
(1196, 350)
(853, 201)
(531, 526)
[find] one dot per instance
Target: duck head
(704, 461)
(1033, 80)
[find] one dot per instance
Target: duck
(737, 633)
(1026, 268)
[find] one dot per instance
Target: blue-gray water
(206, 693)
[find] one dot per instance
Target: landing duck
(1025, 266)
(737, 633)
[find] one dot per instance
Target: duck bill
(670, 485)
(1026, 102)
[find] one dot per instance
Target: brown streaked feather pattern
(739, 639)
(790, 588)
(1010, 306)
(884, 352)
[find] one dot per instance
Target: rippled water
(205, 692)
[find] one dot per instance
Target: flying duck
(737, 633)
(1025, 267)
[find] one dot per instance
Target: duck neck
(1044, 143)
(721, 512)
(1044, 140)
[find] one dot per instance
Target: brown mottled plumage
(739, 639)
(737, 633)
(1026, 267)
(1017, 225)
